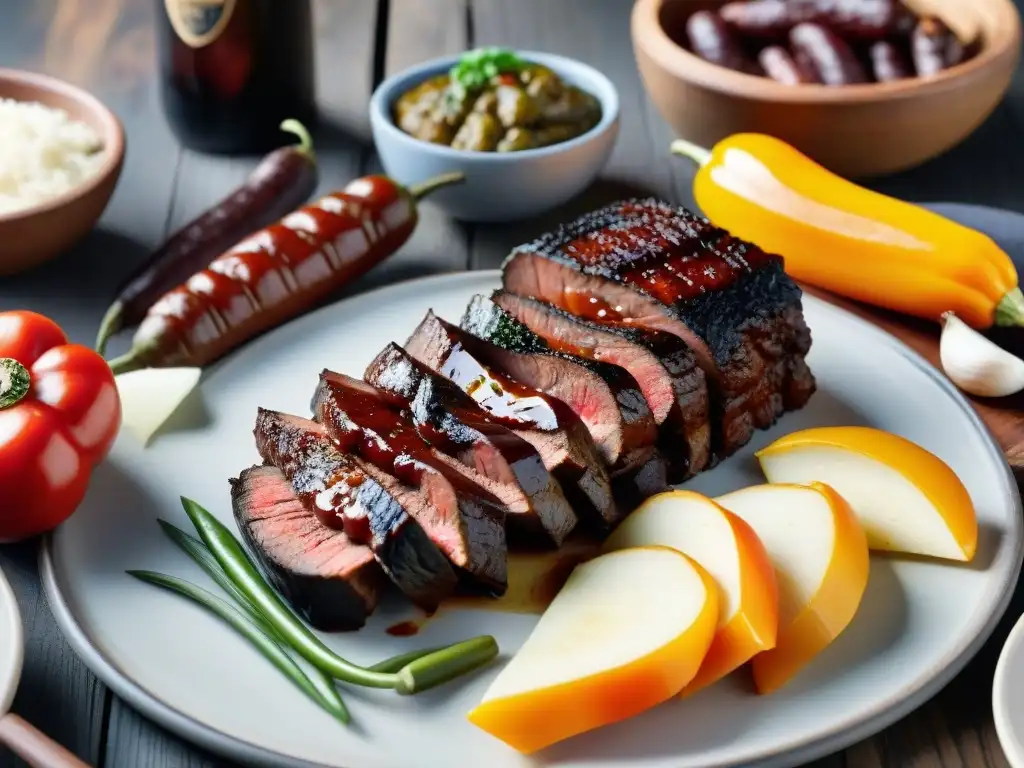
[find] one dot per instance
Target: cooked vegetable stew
(493, 101)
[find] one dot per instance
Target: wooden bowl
(34, 235)
(856, 130)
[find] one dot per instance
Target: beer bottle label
(199, 22)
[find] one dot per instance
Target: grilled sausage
(888, 62)
(277, 273)
(711, 39)
(779, 65)
(824, 53)
(862, 19)
(283, 180)
(935, 47)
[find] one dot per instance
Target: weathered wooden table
(107, 45)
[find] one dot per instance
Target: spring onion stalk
(232, 558)
(395, 663)
(426, 672)
(273, 652)
(446, 664)
(201, 555)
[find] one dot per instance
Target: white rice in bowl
(43, 154)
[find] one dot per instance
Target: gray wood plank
(416, 32)
(105, 48)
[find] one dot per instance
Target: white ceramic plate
(11, 645)
(1008, 696)
(919, 624)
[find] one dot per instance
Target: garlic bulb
(975, 364)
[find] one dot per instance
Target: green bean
(232, 558)
(274, 653)
(395, 663)
(446, 664)
(201, 555)
(420, 675)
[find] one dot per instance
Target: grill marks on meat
(605, 397)
(560, 438)
(470, 521)
(662, 364)
(649, 265)
(371, 506)
(450, 420)
(327, 578)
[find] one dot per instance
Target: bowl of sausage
(864, 87)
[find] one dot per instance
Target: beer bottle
(231, 70)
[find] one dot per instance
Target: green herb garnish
(262, 618)
(477, 67)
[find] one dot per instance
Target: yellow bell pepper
(849, 240)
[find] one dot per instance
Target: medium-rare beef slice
(448, 419)
(372, 507)
(471, 525)
(648, 264)
(606, 397)
(559, 436)
(328, 579)
(663, 365)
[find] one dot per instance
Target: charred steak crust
(558, 435)
(664, 366)
(344, 491)
(332, 582)
(627, 409)
(450, 420)
(648, 263)
(465, 521)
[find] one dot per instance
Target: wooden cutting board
(1004, 416)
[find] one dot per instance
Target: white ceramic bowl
(499, 186)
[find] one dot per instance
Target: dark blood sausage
(819, 50)
(889, 62)
(371, 506)
(854, 19)
(711, 39)
(669, 377)
(331, 581)
(780, 66)
(647, 264)
(559, 436)
(280, 183)
(469, 524)
(276, 274)
(451, 421)
(935, 47)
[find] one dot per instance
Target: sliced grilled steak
(371, 506)
(559, 436)
(663, 365)
(328, 579)
(647, 264)
(471, 525)
(448, 419)
(605, 397)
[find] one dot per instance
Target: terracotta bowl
(858, 130)
(34, 235)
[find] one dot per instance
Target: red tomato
(59, 416)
